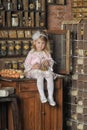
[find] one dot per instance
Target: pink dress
(34, 57)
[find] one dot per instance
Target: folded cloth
(6, 91)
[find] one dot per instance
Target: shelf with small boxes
(79, 8)
(19, 19)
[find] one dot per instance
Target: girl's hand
(36, 66)
(46, 63)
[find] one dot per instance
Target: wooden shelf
(18, 21)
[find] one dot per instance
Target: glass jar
(1, 21)
(15, 20)
(3, 48)
(38, 5)
(8, 65)
(14, 65)
(29, 22)
(11, 48)
(24, 21)
(42, 20)
(19, 4)
(18, 47)
(26, 47)
(50, 1)
(9, 4)
(21, 65)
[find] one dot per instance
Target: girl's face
(40, 44)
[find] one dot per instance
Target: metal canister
(3, 48)
(26, 47)
(14, 65)
(11, 48)
(18, 48)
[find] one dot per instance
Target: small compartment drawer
(8, 84)
(27, 86)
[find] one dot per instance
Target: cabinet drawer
(31, 85)
(8, 84)
(27, 86)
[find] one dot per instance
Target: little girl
(39, 65)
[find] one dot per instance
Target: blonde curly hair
(44, 37)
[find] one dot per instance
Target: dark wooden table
(5, 104)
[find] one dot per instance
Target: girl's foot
(51, 102)
(43, 100)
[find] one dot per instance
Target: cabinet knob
(43, 113)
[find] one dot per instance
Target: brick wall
(57, 13)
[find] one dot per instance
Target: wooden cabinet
(52, 118)
(33, 114)
(30, 106)
(31, 111)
